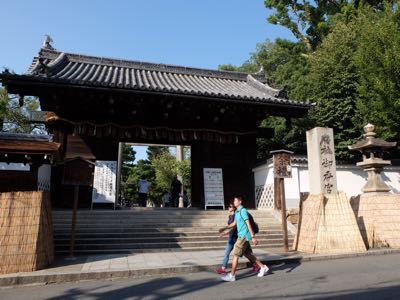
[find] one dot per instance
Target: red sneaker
(255, 269)
(221, 271)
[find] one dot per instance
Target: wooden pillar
(73, 221)
(180, 158)
(277, 194)
(119, 169)
(283, 212)
(282, 170)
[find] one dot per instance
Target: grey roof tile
(79, 69)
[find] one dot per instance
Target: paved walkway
(151, 264)
(366, 278)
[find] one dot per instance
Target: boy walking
(242, 245)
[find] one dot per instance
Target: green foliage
(311, 21)
(247, 67)
(167, 167)
(154, 151)
(333, 81)
(127, 166)
(305, 19)
(285, 65)
(159, 169)
(354, 77)
(378, 61)
(14, 118)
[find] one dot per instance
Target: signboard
(104, 183)
(282, 164)
(213, 187)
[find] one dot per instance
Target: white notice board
(104, 183)
(213, 187)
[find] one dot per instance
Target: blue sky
(198, 33)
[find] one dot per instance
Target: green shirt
(241, 216)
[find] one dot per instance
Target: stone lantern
(372, 149)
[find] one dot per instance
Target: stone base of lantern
(378, 216)
(328, 225)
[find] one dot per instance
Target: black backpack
(253, 223)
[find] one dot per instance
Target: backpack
(253, 223)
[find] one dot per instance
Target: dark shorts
(142, 199)
(242, 247)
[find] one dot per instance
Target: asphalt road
(372, 277)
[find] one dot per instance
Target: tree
(167, 167)
(332, 84)
(378, 61)
(127, 166)
(311, 21)
(15, 118)
(354, 77)
(154, 151)
(3, 107)
(285, 65)
(142, 169)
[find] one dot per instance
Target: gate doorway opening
(154, 175)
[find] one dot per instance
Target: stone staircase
(159, 229)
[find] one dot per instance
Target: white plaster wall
(14, 167)
(263, 175)
(292, 191)
(350, 179)
(304, 180)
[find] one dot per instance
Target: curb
(19, 280)
(44, 279)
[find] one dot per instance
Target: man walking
(242, 245)
(176, 187)
(143, 189)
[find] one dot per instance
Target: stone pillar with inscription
(321, 161)
(326, 220)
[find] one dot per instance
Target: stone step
(66, 235)
(270, 248)
(154, 217)
(135, 240)
(170, 245)
(215, 226)
(151, 230)
(159, 230)
(152, 220)
(156, 211)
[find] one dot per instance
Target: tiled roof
(58, 67)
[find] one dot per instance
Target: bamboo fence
(329, 226)
(26, 231)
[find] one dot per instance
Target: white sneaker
(228, 277)
(262, 271)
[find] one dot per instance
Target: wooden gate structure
(90, 104)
